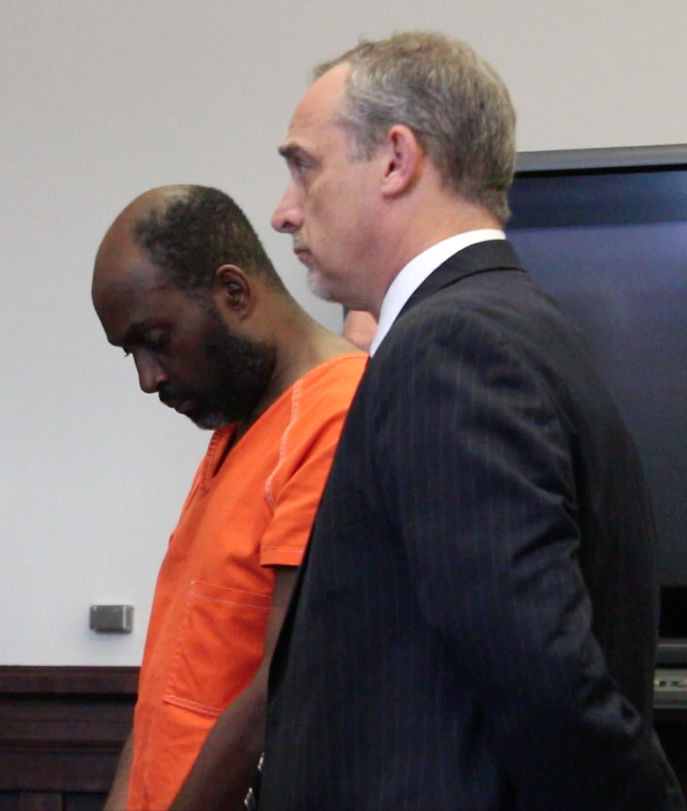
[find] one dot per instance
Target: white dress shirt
(417, 270)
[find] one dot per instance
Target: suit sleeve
(477, 467)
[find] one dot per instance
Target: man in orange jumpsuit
(181, 283)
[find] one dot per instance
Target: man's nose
(288, 215)
(151, 375)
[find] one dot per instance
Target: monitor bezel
(601, 158)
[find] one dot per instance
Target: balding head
(120, 254)
(189, 231)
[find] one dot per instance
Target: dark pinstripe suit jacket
(475, 623)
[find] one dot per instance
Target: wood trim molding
(59, 680)
(61, 728)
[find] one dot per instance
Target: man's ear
(232, 291)
(404, 160)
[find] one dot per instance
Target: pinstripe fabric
(475, 623)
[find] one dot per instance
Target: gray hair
(455, 103)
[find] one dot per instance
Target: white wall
(101, 100)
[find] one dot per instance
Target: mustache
(169, 396)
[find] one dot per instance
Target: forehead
(128, 288)
(315, 119)
(123, 268)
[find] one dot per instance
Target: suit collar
(416, 271)
(479, 258)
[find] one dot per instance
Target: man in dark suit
(475, 624)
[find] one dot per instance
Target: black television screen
(605, 231)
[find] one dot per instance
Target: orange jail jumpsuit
(249, 509)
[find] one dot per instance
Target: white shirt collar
(417, 270)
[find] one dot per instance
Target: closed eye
(153, 337)
(156, 340)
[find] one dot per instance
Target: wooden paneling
(61, 730)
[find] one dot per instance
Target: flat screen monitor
(605, 232)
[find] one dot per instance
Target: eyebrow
(291, 151)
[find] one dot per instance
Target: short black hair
(193, 232)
